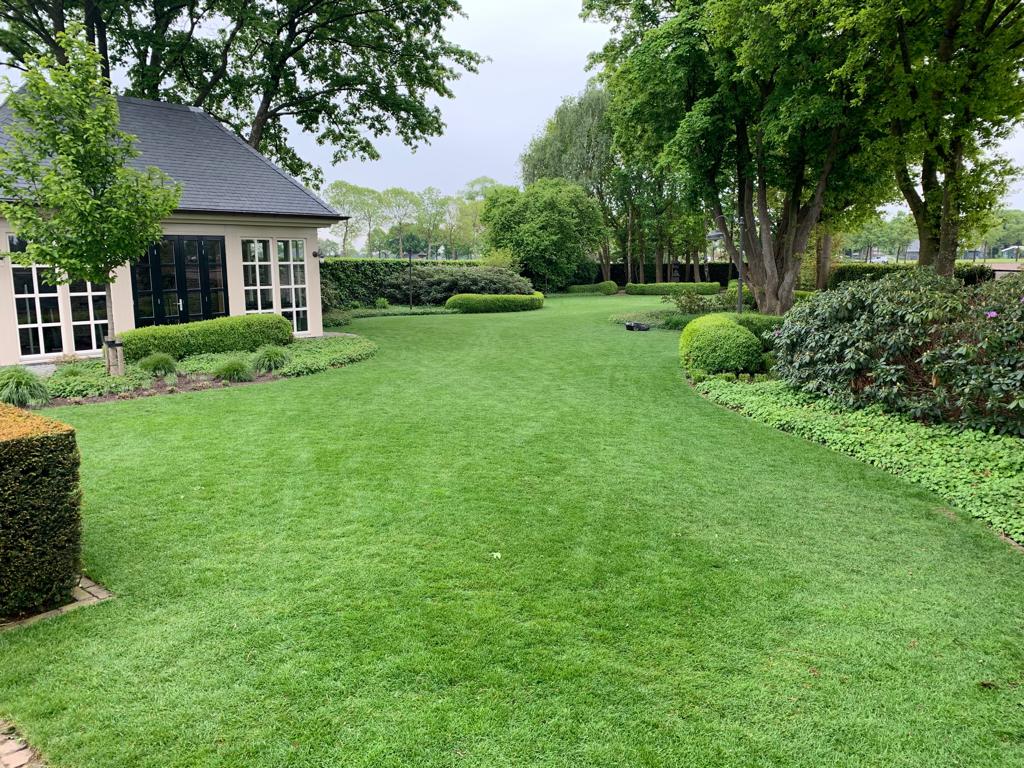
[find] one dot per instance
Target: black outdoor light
(716, 236)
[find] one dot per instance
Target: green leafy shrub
(731, 294)
(693, 303)
(980, 473)
(435, 285)
(21, 388)
(716, 344)
(40, 523)
(316, 355)
(234, 369)
(381, 303)
(158, 364)
(345, 283)
(269, 359)
(606, 288)
(473, 303)
(799, 296)
(669, 289)
(239, 333)
(846, 271)
(89, 378)
(502, 257)
(977, 360)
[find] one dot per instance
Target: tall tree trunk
(823, 264)
(606, 261)
(629, 244)
(949, 227)
(114, 356)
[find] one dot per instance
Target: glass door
(183, 278)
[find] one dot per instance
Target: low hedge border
(606, 288)
(968, 271)
(982, 474)
(238, 333)
(477, 303)
(670, 289)
(40, 519)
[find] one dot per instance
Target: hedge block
(239, 333)
(474, 303)
(40, 513)
(672, 289)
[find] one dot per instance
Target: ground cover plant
(980, 473)
(507, 540)
(338, 318)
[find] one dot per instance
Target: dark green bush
(40, 525)
(21, 388)
(473, 303)
(607, 288)
(89, 378)
(716, 344)
(669, 289)
(980, 473)
(345, 283)
(270, 358)
(240, 333)
(435, 285)
(159, 364)
(847, 271)
(311, 356)
(233, 369)
(729, 296)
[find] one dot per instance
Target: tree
(64, 178)
(553, 227)
(740, 99)
(945, 81)
(342, 71)
(401, 208)
(363, 205)
(432, 210)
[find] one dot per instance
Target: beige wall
(232, 229)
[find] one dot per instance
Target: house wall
(232, 229)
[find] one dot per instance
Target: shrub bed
(239, 333)
(40, 522)
(435, 285)
(474, 303)
(715, 343)
(607, 288)
(345, 283)
(981, 474)
(305, 357)
(88, 378)
(847, 271)
(670, 289)
(914, 343)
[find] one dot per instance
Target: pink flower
(991, 315)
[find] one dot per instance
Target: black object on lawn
(637, 327)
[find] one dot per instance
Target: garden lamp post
(716, 236)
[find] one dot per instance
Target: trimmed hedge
(847, 271)
(715, 344)
(607, 288)
(240, 333)
(40, 521)
(433, 286)
(475, 303)
(360, 282)
(980, 473)
(671, 289)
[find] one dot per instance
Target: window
(258, 274)
(291, 266)
(37, 306)
(88, 315)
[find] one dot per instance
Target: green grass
(308, 576)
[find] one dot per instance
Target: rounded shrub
(234, 369)
(606, 288)
(473, 303)
(238, 333)
(159, 364)
(20, 387)
(715, 344)
(269, 359)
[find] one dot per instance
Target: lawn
(512, 540)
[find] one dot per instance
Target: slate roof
(218, 172)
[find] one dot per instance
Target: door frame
(160, 316)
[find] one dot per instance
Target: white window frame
(91, 293)
(261, 307)
(287, 286)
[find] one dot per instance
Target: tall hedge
(846, 271)
(40, 522)
(433, 286)
(347, 282)
(238, 333)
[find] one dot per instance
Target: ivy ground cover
(512, 540)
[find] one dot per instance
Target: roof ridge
(267, 161)
(152, 102)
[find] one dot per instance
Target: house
(242, 241)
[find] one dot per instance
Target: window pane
(286, 298)
(216, 277)
(301, 321)
(143, 278)
(283, 251)
(79, 308)
(264, 275)
(26, 311)
(284, 274)
(299, 274)
(298, 250)
(49, 309)
(266, 299)
(300, 297)
(83, 338)
(79, 286)
(100, 330)
(15, 244)
(251, 300)
(263, 251)
(23, 280)
(43, 273)
(249, 275)
(213, 253)
(99, 307)
(52, 341)
(145, 306)
(217, 304)
(29, 338)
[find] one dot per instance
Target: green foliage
(305, 357)
(269, 359)
(762, 326)
(606, 288)
(21, 388)
(799, 296)
(435, 285)
(65, 180)
(553, 227)
(239, 333)
(671, 289)
(667, 319)
(473, 303)
(40, 523)
(159, 364)
(89, 378)
(978, 358)
(360, 282)
(977, 472)
(502, 257)
(731, 294)
(234, 369)
(843, 272)
(716, 344)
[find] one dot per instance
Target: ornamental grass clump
(270, 359)
(21, 388)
